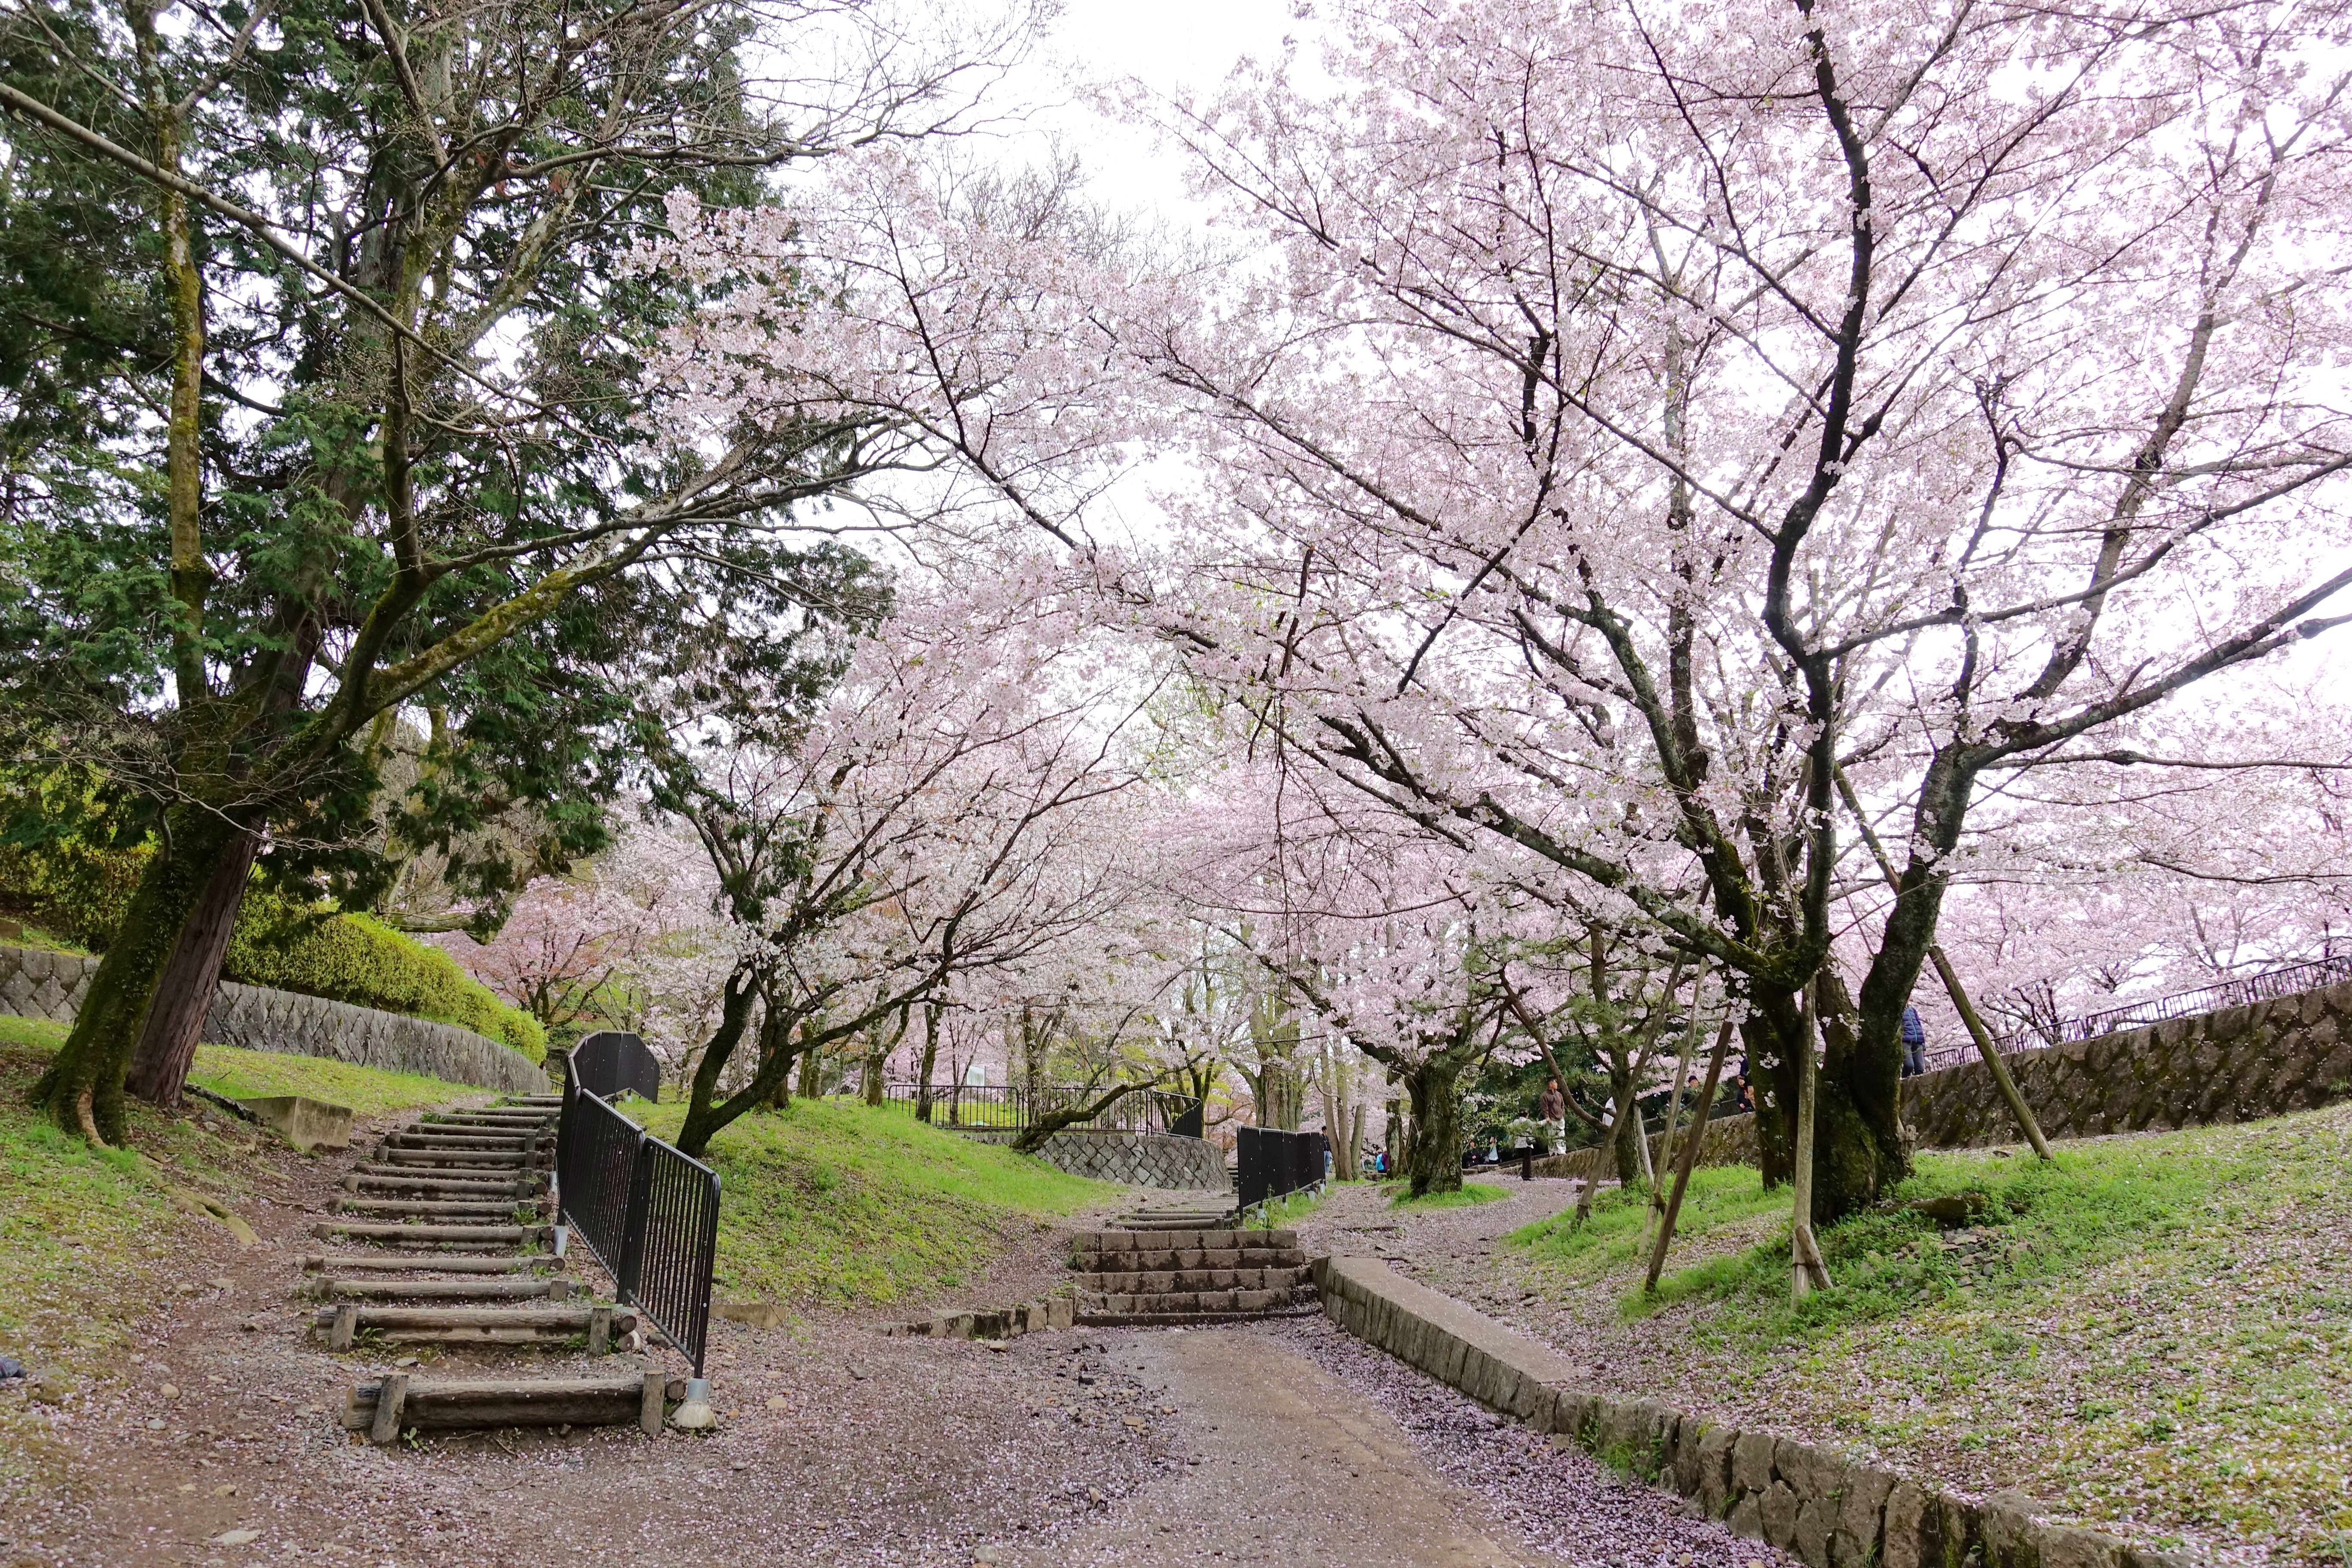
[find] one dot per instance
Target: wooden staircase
(454, 1209)
(1163, 1276)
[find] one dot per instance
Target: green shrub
(78, 891)
(358, 959)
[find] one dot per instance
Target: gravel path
(219, 1445)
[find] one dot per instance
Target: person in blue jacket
(1915, 1042)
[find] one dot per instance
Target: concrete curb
(1820, 1507)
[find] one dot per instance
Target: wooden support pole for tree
(1952, 987)
(1687, 1158)
(1806, 1271)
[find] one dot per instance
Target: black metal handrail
(1011, 1107)
(610, 1061)
(2282, 981)
(1267, 1162)
(646, 1212)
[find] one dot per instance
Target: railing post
(631, 1265)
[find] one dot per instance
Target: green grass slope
(2154, 1333)
(831, 1202)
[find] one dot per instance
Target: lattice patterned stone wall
(38, 985)
(1135, 1159)
(2290, 1053)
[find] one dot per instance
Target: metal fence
(1009, 1108)
(648, 1214)
(1268, 1164)
(610, 1061)
(2261, 987)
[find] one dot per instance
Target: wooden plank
(391, 1404)
(446, 1290)
(558, 1319)
(650, 1408)
(511, 1234)
(517, 1401)
(429, 1262)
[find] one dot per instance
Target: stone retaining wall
(1828, 1512)
(35, 984)
(2241, 1064)
(1134, 1159)
(1728, 1141)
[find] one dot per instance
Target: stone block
(1780, 1508)
(1752, 1462)
(2070, 1546)
(1709, 1462)
(1816, 1521)
(1809, 1471)
(1911, 1534)
(1861, 1510)
(308, 1124)
(1747, 1517)
(2013, 1539)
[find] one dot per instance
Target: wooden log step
(431, 1208)
(550, 1102)
(429, 1262)
(437, 1186)
(452, 1159)
(500, 1142)
(334, 1285)
(514, 1401)
(411, 1173)
(475, 1325)
(521, 1115)
(410, 1235)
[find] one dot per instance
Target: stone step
(363, 1181)
(475, 1325)
(429, 1262)
(1182, 1306)
(1164, 1280)
(420, 1235)
(433, 1208)
(1159, 1260)
(335, 1287)
(450, 1405)
(1217, 1237)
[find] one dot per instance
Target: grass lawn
(1469, 1195)
(2154, 1334)
(369, 1092)
(838, 1202)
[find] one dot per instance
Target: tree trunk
(184, 991)
(1625, 1128)
(1433, 1141)
(83, 1088)
(930, 1061)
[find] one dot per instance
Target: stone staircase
(454, 1216)
(1160, 1274)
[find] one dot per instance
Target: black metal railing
(1269, 1164)
(2283, 982)
(611, 1061)
(1010, 1108)
(647, 1213)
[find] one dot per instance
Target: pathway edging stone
(1827, 1510)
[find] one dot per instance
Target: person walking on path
(1915, 1042)
(1551, 1110)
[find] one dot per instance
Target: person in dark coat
(1915, 1042)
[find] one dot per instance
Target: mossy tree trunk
(83, 1089)
(1433, 1143)
(184, 991)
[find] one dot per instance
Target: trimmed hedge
(80, 893)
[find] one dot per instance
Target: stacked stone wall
(35, 984)
(1728, 1141)
(2239, 1064)
(1133, 1159)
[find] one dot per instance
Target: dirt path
(219, 1445)
(1302, 1444)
